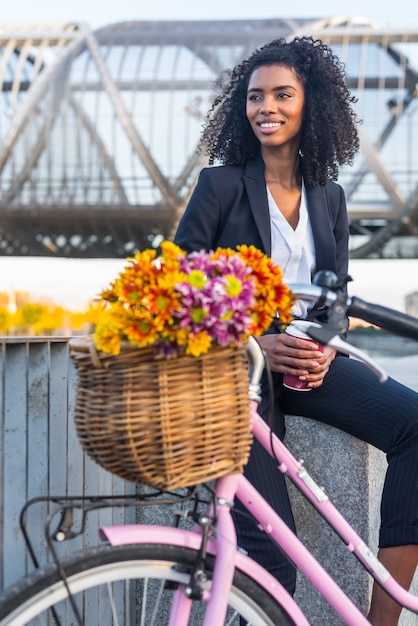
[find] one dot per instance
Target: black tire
(155, 570)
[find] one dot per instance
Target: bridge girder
(99, 129)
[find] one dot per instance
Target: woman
(281, 125)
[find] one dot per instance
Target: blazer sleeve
(199, 226)
(340, 228)
(220, 213)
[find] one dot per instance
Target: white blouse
(293, 250)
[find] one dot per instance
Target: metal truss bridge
(99, 130)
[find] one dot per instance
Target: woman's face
(275, 101)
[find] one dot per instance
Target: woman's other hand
(299, 357)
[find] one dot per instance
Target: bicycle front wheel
(128, 586)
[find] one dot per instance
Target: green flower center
(161, 302)
(233, 286)
(197, 279)
(197, 315)
(143, 326)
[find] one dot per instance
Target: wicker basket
(168, 423)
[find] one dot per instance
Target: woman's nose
(267, 106)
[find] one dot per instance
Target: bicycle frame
(227, 555)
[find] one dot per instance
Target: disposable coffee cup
(296, 329)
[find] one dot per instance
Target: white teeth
(270, 124)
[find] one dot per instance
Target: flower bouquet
(163, 383)
(188, 303)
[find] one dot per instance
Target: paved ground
(404, 369)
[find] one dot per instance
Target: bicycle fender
(139, 534)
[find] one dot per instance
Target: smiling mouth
(270, 124)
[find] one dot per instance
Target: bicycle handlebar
(389, 319)
(343, 305)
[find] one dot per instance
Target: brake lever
(327, 337)
(343, 346)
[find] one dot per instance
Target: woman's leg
(382, 414)
(401, 562)
(385, 415)
(262, 472)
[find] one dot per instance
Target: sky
(108, 11)
(73, 283)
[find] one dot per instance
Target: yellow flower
(109, 331)
(180, 336)
(171, 251)
(198, 344)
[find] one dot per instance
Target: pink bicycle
(153, 575)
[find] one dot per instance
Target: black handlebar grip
(388, 319)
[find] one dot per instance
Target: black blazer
(229, 207)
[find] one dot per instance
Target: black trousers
(352, 399)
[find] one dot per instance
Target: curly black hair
(329, 134)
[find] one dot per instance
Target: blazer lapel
(257, 194)
(322, 234)
(317, 208)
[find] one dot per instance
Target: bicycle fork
(215, 596)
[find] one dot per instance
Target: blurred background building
(98, 130)
(411, 303)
